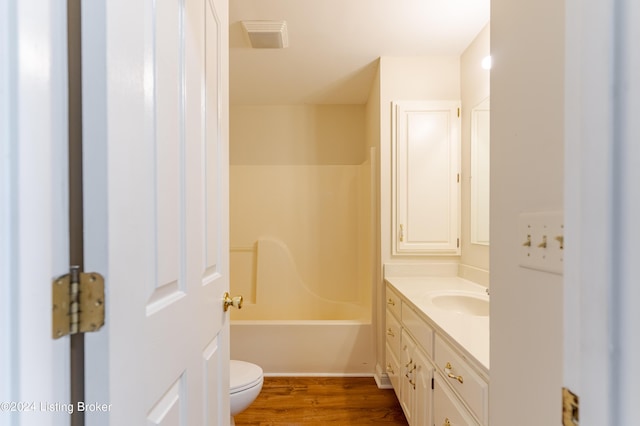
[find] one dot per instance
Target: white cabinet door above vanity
(426, 177)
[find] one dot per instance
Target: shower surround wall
(297, 251)
(300, 212)
(301, 245)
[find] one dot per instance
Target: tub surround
(267, 275)
(470, 333)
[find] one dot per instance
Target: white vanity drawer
(393, 302)
(447, 411)
(419, 329)
(393, 369)
(393, 332)
(467, 383)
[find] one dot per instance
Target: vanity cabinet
(435, 383)
(462, 378)
(449, 411)
(409, 368)
(426, 177)
(416, 385)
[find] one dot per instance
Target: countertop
(471, 333)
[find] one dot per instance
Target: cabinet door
(426, 177)
(416, 392)
(423, 408)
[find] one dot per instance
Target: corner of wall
(475, 87)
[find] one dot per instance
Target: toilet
(245, 385)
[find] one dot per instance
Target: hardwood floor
(322, 400)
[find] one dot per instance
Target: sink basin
(465, 303)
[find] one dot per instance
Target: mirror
(480, 148)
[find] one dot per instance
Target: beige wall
(373, 121)
(410, 78)
(474, 87)
(297, 134)
(527, 116)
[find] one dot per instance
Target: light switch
(541, 240)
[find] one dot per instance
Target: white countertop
(471, 333)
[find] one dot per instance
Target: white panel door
(34, 238)
(156, 212)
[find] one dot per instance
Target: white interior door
(34, 244)
(156, 212)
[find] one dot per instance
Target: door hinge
(77, 303)
(570, 408)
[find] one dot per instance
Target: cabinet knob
(446, 422)
(391, 302)
(390, 332)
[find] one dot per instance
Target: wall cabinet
(426, 177)
(434, 382)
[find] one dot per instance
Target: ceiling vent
(267, 34)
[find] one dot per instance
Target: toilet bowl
(245, 385)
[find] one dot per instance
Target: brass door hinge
(77, 303)
(570, 408)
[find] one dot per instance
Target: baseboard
(303, 374)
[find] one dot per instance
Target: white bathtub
(306, 348)
(288, 330)
(301, 256)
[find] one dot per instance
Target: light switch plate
(541, 240)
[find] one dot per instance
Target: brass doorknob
(236, 301)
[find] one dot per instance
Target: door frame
(601, 202)
(34, 247)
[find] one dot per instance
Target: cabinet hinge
(458, 112)
(77, 303)
(458, 243)
(432, 384)
(458, 178)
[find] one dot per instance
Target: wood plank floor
(322, 400)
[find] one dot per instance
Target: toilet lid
(243, 375)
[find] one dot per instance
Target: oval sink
(466, 303)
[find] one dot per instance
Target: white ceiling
(334, 45)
